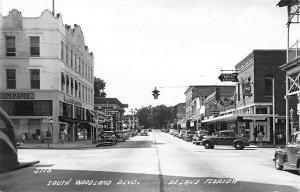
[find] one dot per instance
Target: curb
(60, 148)
(27, 164)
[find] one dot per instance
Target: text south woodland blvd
(84, 182)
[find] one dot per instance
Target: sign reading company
(17, 95)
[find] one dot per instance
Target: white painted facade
(66, 73)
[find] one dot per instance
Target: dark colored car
(107, 137)
(120, 136)
(227, 137)
(289, 156)
(144, 132)
(199, 135)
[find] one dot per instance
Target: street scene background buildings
(42, 48)
(226, 128)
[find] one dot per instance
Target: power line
(174, 86)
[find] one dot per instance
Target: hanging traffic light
(155, 93)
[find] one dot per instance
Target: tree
(158, 117)
(99, 86)
(144, 116)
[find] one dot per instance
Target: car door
(291, 151)
(229, 138)
(220, 139)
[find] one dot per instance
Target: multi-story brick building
(195, 97)
(179, 111)
(253, 110)
(46, 71)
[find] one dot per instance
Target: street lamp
(292, 118)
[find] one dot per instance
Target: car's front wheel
(238, 146)
(207, 145)
(278, 166)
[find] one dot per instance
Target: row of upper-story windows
(68, 55)
(11, 78)
(75, 61)
(34, 46)
(74, 87)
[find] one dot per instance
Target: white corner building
(46, 81)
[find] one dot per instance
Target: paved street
(155, 163)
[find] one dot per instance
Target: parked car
(120, 136)
(290, 155)
(182, 134)
(176, 133)
(164, 130)
(107, 137)
(199, 136)
(144, 132)
(189, 136)
(227, 137)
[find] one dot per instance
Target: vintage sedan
(189, 136)
(120, 136)
(199, 135)
(182, 134)
(289, 157)
(144, 132)
(107, 137)
(227, 137)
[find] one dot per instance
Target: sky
(169, 44)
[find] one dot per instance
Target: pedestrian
(62, 136)
(260, 138)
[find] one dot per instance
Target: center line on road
(161, 179)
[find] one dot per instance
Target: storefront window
(262, 110)
(67, 110)
(27, 108)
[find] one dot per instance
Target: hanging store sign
(247, 89)
(229, 77)
(17, 95)
(214, 112)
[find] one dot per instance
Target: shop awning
(69, 120)
(93, 124)
(91, 114)
(230, 117)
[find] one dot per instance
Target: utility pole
(53, 13)
(273, 103)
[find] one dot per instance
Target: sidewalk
(56, 146)
(265, 145)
